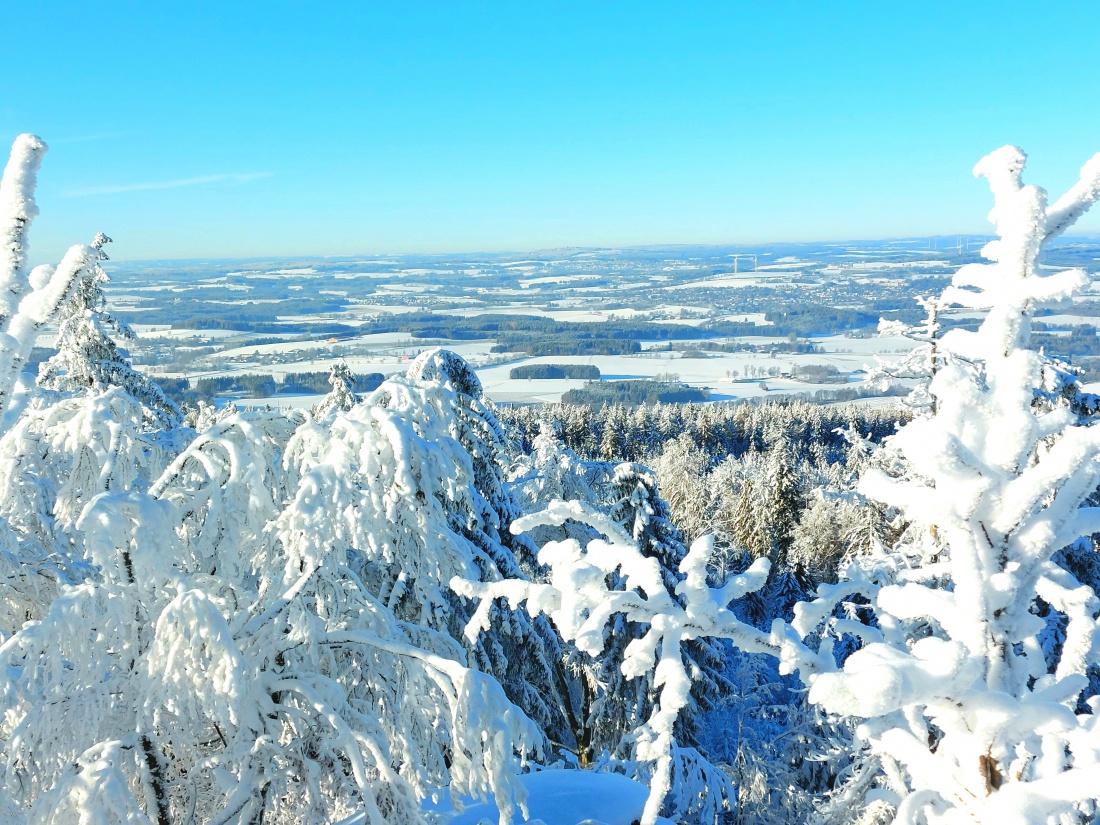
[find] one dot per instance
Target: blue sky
(278, 129)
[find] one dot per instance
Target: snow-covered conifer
(682, 469)
(88, 359)
(235, 660)
(63, 450)
(521, 652)
(553, 472)
(342, 395)
(921, 363)
(61, 453)
(748, 525)
(782, 500)
(972, 720)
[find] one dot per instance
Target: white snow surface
(557, 797)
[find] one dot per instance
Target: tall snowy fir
(972, 719)
(342, 396)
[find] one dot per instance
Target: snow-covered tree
(63, 449)
(782, 500)
(971, 718)
(921, 363)
(101, 426)
(613, 439)
(589, 587)
(552, 471)
(683, 468)
(747, 525)
(28, 300)
(88, 359)
(61, 453)
(237, 658)
(521, 652)
(342, 395)
(621, 704)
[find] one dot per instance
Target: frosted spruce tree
(522, 652)
(96, 425)
(552, 471)
(342, 395)
(606, 707)
(643, 514)
(88, 359)
(972, 719)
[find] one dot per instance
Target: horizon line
(600, 248)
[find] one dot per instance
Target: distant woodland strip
(586, 372)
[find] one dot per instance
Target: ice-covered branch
(27, 300)
(1065, 211)
(17, 211)
(582, 601)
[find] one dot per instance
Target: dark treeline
(793, 345)
(819, 320)
(185, 310)
(318, 382)
(258, 385)
(1078, 341)
(634, 392)
(533, 335)
(552, 345)
(720, 430)
(235, 322)
(587, 372)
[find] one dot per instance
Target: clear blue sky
(252, 129)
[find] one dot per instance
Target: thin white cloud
(87, 138)
(165, 184)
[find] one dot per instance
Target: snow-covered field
(723, 373)
(161, 331)
(567, 798)
(728, 376)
